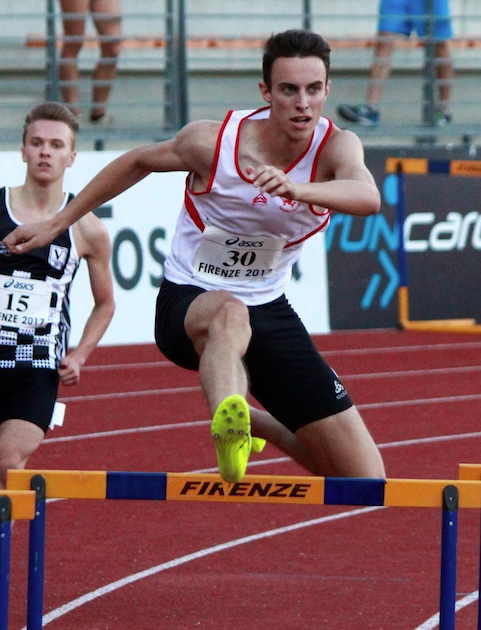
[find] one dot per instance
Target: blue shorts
(408, 16)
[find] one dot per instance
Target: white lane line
(139, 392)
(417, 348)
(397, 373)
(424, 401)
(157, 427)
(465, 369)
(433, 622)
(203, 423)
(128, 366)
(325, 353)
(197, 388)
(201, 553)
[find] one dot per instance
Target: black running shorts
(28, 394)
(287, 375)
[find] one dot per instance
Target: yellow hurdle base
(443, 325)
(470, 472)
(23, 503)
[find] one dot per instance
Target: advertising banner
(442, 239)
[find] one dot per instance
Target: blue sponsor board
(442, 237)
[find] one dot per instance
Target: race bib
(24, 303)
(233, 257)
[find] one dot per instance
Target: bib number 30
(230, 256)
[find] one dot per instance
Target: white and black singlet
(34, 297)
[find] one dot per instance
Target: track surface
(124, 565)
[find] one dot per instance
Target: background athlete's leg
(18, 440)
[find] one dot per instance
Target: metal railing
(182, 60)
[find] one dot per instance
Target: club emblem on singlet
(288, 205)
(259, 200)
(57, 256)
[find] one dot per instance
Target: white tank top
(233, 237)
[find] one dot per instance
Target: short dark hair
(51, 111)
(294, 43)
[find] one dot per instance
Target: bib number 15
(17, 302)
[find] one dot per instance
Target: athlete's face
(48, 149)
(297, 94)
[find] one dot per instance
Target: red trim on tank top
(236, 149)
(237, 139)
(316, 162)
(214, 163)
(304, 238)
(192, 211)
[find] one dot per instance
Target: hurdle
(473, 472)
(423, 166)
(14, 504)
(158, 486)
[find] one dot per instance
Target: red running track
(177, 566)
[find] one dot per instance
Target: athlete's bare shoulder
(191, 149)
(90, 235)
(342, 155)
(197, 141)
(195, 144)
(344, 139)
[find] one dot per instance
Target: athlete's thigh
(184, 314)
(205, 307)
(342, 446)
(286, 373)
(20, 438)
